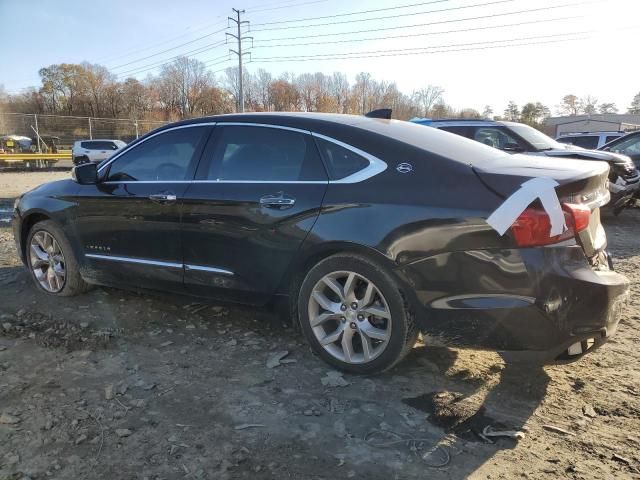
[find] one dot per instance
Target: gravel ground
(114, 384)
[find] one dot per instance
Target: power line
(288, 5)
(440, 22)
(169, 49)
(167, 61)
(387, 17)
(410, 35)
(153, 45)
(399, 50)
(258, 60)
(353, 13)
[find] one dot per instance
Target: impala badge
(404, 167)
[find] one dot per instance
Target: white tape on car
(542, 188)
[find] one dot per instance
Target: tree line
(186, 88)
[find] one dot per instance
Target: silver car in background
(85, 151)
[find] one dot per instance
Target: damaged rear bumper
(540, 305)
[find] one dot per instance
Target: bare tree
(512, 112)
(570, 105)
(263, 82)
(634, 108)
(428, 97)
(608, 108)
(362, 90)
(339, 90)
(588, 104)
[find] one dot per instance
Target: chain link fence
(64, 130)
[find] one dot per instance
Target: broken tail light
(533, 226)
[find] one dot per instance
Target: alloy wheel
(47, 261)
(350, 317)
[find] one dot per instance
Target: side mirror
(85, 174)
(512, 147)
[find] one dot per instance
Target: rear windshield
(98, 145)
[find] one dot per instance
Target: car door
(129, 223)
(257, 194)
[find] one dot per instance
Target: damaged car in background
(369, 230)
(513, 137)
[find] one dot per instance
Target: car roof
(99, 140)
(299, 119)
(472, 122)
(604, 132)
(342, 126)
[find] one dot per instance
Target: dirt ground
(114, 384)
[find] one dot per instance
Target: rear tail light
(533, 226)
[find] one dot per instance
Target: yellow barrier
(20, 157)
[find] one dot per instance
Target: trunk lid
(580, 182)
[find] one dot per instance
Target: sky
(482, 52)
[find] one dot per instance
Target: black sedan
(372, 230)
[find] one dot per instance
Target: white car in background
(85, 151)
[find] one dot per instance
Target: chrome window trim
(264, 125)
(376, 165)
(295, 182)
(201, 268)
(125, 150)
(142, 261)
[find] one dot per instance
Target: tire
(72, 283)
(387, 317)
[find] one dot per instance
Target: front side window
(497, 137)
(264, 154)
(166, 156)
(341, 162)
(630, 146)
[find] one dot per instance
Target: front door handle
(164, 197)
(279, 201)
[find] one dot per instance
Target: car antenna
(380, 113)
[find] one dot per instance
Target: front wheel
(51, 262)
(354, 315)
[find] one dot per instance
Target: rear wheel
(51, 262)
(354, 315)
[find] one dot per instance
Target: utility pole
(239, 39)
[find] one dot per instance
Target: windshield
(536, 138)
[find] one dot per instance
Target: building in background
(606, 122)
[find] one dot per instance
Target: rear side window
(98, 145)
(341, 162)
(588, 141)
(167, 157)
(461, 130)
(611, 138)
(264, 154)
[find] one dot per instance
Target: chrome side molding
(157, 263)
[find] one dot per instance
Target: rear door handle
(279, 201)
(165, 197)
